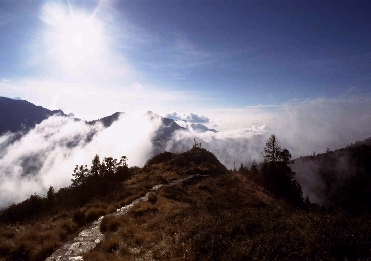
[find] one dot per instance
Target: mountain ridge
(19, 115)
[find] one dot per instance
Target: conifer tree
(277, 176)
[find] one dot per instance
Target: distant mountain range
(19, 116)
(16, 115)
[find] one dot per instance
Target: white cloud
(46, 156)
(91, 101)
(189, 117)
(302, 127)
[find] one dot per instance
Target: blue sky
(298, 69)
(183, 56)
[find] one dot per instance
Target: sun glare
(80, 40)
(76, 38)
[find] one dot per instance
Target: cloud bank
(52, 149)
(189, 117)
(47, 154)
(300, 127)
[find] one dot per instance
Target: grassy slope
(229, 218)
(221, 217)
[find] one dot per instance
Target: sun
(80, 40)
(75, 38)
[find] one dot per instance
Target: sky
(299, 69)
(220, 59)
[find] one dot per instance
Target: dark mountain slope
(108, 120)
(16, 115)
(340, 178)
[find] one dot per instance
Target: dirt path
(90, 237)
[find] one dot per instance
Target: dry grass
(94, 213)
(111, 243)
(217, 218)
(35, 241)
(111, 223)
(226, 218)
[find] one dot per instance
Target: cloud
(82, 98)
(47, 154)
(238, 146)
(301, 127)
(189, 117)
(323, 123)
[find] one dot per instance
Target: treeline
(275, 174)
(100, 180)
(345, 173)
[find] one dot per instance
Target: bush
(162, 157)
(110, 223)
(79, 217)
(93, 214)
(152, 197)
(111, 243)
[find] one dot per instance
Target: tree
(272, 150)
(50, 197)
(95, 169)
(123, 162)
(80, 175)
(254, 166)
(277, 176)
(108, 167)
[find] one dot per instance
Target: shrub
(79, 217)
(111, 243)
(162, 157)
(93, 214)
(110, 223)
(6, 247)
(152, 197)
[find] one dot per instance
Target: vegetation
(255, 213)
(276, 175)
(230, 218)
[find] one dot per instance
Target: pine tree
(81, 175)
(95, 169)
(272, 150)
(277, 176)
(254, 166)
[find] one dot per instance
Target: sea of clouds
(47, 155)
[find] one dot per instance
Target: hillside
(218, 215)
(340, 178)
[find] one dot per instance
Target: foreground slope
(218, 215)
(228, 217)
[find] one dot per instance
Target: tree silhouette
(254, 166)
(96, 167)
(272, 150)
(277, 176)
(80, 175)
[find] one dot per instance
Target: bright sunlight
(75, 37)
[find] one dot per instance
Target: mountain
(194, 127)
(184, 206)
(19, 115)
(108, 120)
(338, 179)
(164, 133)
(200, 128)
